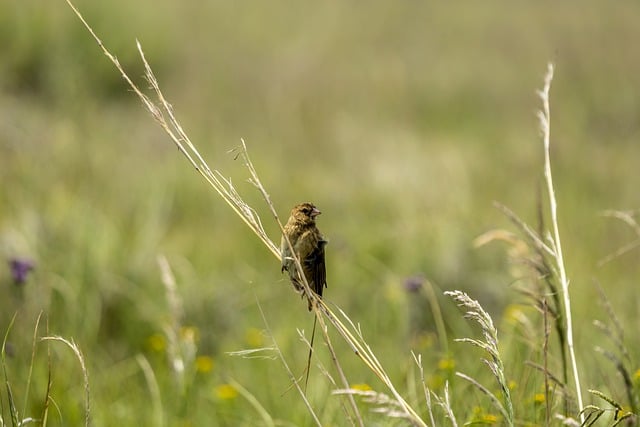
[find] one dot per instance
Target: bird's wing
(316, 268)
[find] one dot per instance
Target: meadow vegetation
(405, 123)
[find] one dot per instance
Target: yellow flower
(446, 364)
(226, 392)
(481, 417)
(636, 375)
(512, 385)
(539, 398)
(157, 343)
(254, 337)
(204, 364)
(361, 387)
(489, 418)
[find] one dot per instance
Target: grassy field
(402, 122)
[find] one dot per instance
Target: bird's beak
(315, 212)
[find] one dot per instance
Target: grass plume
(489, 345)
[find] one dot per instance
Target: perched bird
(308, 244)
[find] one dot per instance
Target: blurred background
(403, 122)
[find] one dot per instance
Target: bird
(308, 245)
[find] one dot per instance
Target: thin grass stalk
(616, 334)
(486, 391)
(545, 358)
(425, 389)
(292, 377)
(336, 363)
(33, 357)
(557, 309)
(13, 412)
(548, 274)
(331, 380)
(154, 388)
(545, 124)
(445, 404)
(628, 218)
(47, 395)
(476, 313)
(266, 418)
(85, 373)
(525, 229)
(364, 352)
(437, 317)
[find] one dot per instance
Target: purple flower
(20, 268)
(413, 284)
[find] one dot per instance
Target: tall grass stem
(545, 125)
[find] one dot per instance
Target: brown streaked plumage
(308, 244)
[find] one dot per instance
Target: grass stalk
(267, 420)
(545, 356)
(545, 124)
(443, 340)
(33, 357)
(13, 412)
(445, 403)
(476, 313)
(427, 393)
(292, 377)
(154, 389)
(85, 373)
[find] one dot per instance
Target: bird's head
(305, 213)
